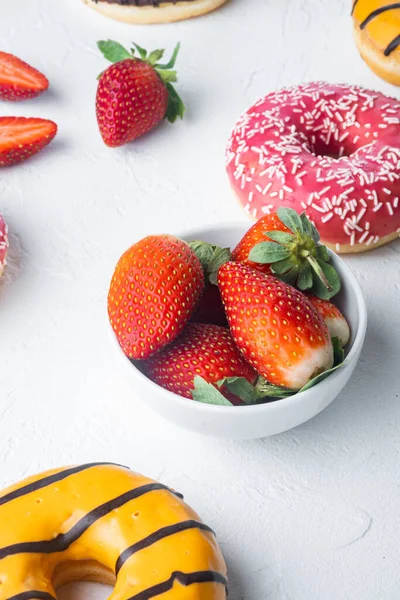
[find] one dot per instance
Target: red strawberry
(275, 327)
(254, 236)
(21, 138)
(335, 321)
(210, 308)
(205, 350)
(135, 94)
(154, 289)
(18, 80)
(287, 245)
(3, 244)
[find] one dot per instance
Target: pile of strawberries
(226, 327)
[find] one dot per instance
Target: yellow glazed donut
(153, 11)
(102, 522)
(377, 34)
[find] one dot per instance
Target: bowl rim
(274, 406)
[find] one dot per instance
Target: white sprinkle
(364, 235)
(377, 207)
(250, 198)
(273, 194)
(390, 209)
(388, 192)
(326, 218)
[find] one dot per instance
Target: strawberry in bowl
(283, 361)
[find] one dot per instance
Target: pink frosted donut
(3, 244)
(330, 150)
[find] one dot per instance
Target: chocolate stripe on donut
(64, 540)
(392, 46)
(42, 483)
(185, 579)
(378, 12)
(33, 595)
(156, 537)
(354, 5)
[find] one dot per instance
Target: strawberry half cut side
(296, 257)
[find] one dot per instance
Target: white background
(312, 514)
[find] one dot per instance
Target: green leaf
(319, 289)
(207, 393)
(155, 56)
(268, 253)
(142, 51)
(254, 394)
(320, 378)
(291, 219)
(307, 225)
(220, 256)
(305, 278)
(268, 390)
(290, 277)
(176, 108)
(315, 234)
(280, 236)
(338, 352)
(168, 76)
(323, 254)
(113, 51)
(204, 252)
(171, 63)
(283, 266)
(211, 258)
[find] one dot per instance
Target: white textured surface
(311, 514)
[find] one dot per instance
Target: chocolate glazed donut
(102, 522)
(153, 11)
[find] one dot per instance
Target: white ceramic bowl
(250, 422)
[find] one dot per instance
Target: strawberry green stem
(314, 264)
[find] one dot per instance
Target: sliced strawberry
(3, 244)
(334, 319)
(275, 326)
(18, 80)
(207, 351)
(21, 138)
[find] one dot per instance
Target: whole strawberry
(286, 244)
(334, 319)
(275, 326)
(135, 94)
(154, 290)
(201, 350)
(255, 235)
(18, 80)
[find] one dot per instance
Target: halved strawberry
(275, 326)
(334, 319)
(206, 351)
(155, 287)
(21, 138)
(18, 80)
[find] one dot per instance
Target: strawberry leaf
(253, 394)
(211, 258)
(207, 393)
(283, 266)
(338, 352)
(305, 278)
(171, 63)
(113, 51)
(290, 277)
(320, 378)
(291, 219)
(175, 108)
(168, 76)
(268, 390)
(268, 253)
(155, 56)
(142, 52)
(330, 274)
(323, 254)
(280, 236)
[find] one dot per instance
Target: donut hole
(334, 149)
(78, 580)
